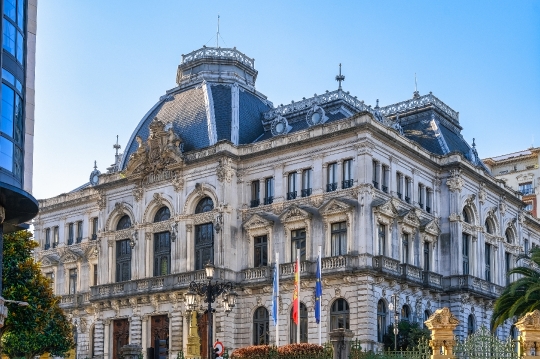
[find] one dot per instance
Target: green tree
(408, 337)
(521, 296)
(40, 327)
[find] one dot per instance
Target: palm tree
(521, 296)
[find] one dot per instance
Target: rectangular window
(405, 248)
(306, 182)
(529, 206)
(429, 195)
(421, 195)
(408, 184)
(399, 185)
(385, 172)
(465, 253)
(72, 281)
(9, 37)
(9, 9)
(162, 253)
(94, 282)
(526, 246)
(255, 193)
(20, 47)
(55, 237)
(6, 154)
(94, 228)
(508, 265)
(8, 108)
(382, 239)
(347, 174)
(123, 260)
(291, 186)
(331, 177)
(426, 257)
(79, 232)
(487, 262)
(50, 277)
(298, 241)
(204, 245)
(20, 14)
(269, 190)
(47, 238)
(376, 174)
(260, 254)
(339, 239)
(70, 234)
(526, 188)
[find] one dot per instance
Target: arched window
(406, 313)
(162, 214)
(339, 314)
(509, 236)
(123, 223)
(303, 325)
(427, 314)
(381, 320)
(204, 236)
(261, 327)
(162, 245)
(466, 217)
(490, 226)
(471, 324)
(205, 205)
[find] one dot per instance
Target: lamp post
(209, 292)
(394, 307)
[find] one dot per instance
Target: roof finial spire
(217, 34)
(473, 144)
(95, 165)
(416, 94)
(340, 78)
(116, 146)
(377, 106)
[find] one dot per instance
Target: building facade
(520, 171)
(399, 203)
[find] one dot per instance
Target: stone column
(442, 324)
(110, 242)
(529, 327)
(144, 331)
(106, 335)
(147, 243)
(176, 332)
(135, 330)
(341, 342)
(99, 339)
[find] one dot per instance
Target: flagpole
(298, 301)
(320, 299)
(277, 299)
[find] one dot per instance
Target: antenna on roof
(116, 147)
(416, 94)
(340, 78)
(217, 34)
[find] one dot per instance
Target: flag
(318, 291)
(296, 290)
(275, 294)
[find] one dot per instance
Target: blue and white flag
(275, 293)
(318, 290)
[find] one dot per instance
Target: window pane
(6, 154)
(9, 9)
(20, 47)
(8, 76)
(20, 14)
(8, 97)
(9, 37)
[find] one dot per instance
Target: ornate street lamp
(209, 292)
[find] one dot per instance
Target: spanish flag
(296, 302)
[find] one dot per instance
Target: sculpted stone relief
(455, 182)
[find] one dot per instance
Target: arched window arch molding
(491, 216)
(257, 226)
(514, 246)
(267, 322)
(200, 191)
(329, 310)
(336, 211)
(159, 200)
(120, 209)
(290, 321)
(469, 205)
(295, 218)
(382, 322)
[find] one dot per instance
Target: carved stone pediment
(530, 321)
(159, 151)
(387, 209)
(47, 261)
(334, 206)
(410, 219)
(432, 228)
(69, 256)
(257, 222)
(294, 213)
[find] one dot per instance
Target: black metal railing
(79, 239)
(291, 195)
(47, 246)
(400, 196)
(347, 183)
(306, 192)
(331, 187)
(385, 189)
(421, 205)
(407, 199)
(269, 200)
(255, 202)
(94, 237)
(428, 209)
(55, 244)
(70, 241)
(376, 184)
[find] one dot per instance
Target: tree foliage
(41, 327)
(408, 337)
(521, 296)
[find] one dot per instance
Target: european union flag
(318, 292)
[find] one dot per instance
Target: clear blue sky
(102, 64)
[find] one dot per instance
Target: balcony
(400, 196)
(47, 246)
(411, 273)
(347, 183)
(338, 263)
(74, 300)
(255, 203)
(331, 187)
(306, 192)
(70, 241)
(473, 284)
(428, 209)
(432, 280)
(94, 237)
(385, 189)
(387, 265)
(376, 184)
(291, 195)
(421, 205)
(257, 274)
(269, 200)
(78, 240)
(55, 244)
(407, 199)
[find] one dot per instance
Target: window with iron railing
(465, 253)
(269, 190)
(421, 195)
(347, 174)
(47, 238)
(375, 169)
(399, 185)
(331, 183)
(429, 196)
(487, 262)
(408, 184)
(306, 182)
(526, 188)
(255, 193)
(291, 186)
(94, 228)
(79, 232)
(70, 234)
(56, 238)
(385, 173)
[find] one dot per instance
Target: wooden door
(203, 334)
(159, 328)
(120, 336)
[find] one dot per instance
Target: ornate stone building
(399, 202)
